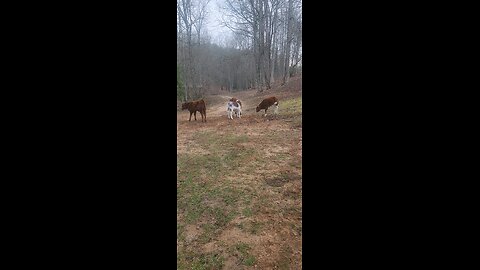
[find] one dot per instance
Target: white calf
(233, 107)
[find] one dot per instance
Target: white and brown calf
(233, 107)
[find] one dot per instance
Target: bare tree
(271, 27)
(184, 12)
(260, 20)
(192, 15)
(265, 45)
(245, 18)
(297, 45)
(200, 15)
(288, 42)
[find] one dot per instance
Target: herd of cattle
(234, 107)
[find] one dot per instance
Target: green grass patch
(243, 248)
(255, 227)
(291, 107)
(252, 227)
(199, 261)
(190, 195)
(193, 198)
(291, 111)
(249, 260)
(222, 216)
(209, 232)
(225, 152)
(247, 212)
(243, 251)
(193, 165)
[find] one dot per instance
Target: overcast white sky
(217, 32)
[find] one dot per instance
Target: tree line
(265, 46)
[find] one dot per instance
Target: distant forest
(265, 46)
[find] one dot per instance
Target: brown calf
(267, 103)
(194, 106)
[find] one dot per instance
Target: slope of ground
(239, 184)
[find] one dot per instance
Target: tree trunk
(261, 43)
(286, 73)
(274, 48)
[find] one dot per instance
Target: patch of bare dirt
(210, 247)
(192, 232)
